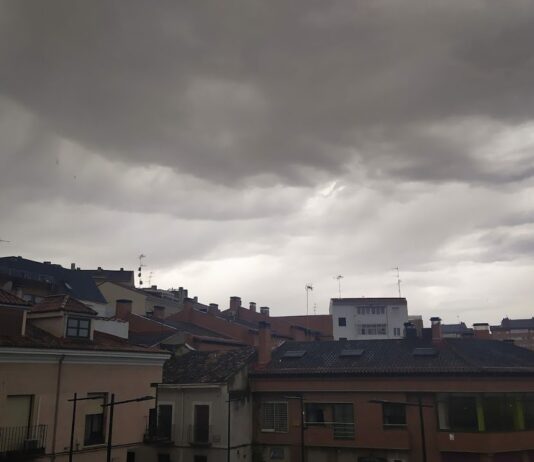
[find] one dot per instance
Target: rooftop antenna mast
(308, 287)
(398, 280)
(3, 240)
(140, 269)
(150, 278)
(339, 277)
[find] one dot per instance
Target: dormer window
(78, 327)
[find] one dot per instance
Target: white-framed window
(372, 329)
(78, 327)
(396, 331)
(274, 416)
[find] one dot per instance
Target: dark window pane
(72, 332)
(463, 413)
(342, 322)
(72, 322)
(394, 414)
(343, 421)
(84, 323)
(528, 411)
(499, 413)
(315, 414)
(83, 333)
(94, 429)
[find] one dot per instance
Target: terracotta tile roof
(62, 303)
(396, 357)
(7, 298)
(38, 338)
(206, 366)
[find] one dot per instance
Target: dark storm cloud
(231, 90)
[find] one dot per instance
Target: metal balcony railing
(22, 441)
(200, 435)
(343, 431)
(162, 434)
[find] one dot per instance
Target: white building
(368, 318)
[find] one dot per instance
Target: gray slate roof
(396, 357)
(62, 280)
(206, 366)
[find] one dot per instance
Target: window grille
(274, 417)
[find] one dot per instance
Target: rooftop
(369, 300)
(507, 323)
(8, 299)
(59, 279)
(62, 302)
(124, 276)
(401, 357)
(206, 366)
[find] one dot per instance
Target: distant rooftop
(8, 299)
(121, 275)
(368, 300)
(60, 280)
(62, 302)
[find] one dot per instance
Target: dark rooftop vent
(425, 352)
(294, 354)
(356, 353)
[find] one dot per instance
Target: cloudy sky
(249, 147)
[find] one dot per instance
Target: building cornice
(49, 355)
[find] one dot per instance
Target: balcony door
(19, 411)
(202, 423)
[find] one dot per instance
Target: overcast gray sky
(249, 147)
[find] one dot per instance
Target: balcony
(159, 435)
(200, 435)
(22, 443)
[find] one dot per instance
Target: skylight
(294, 354)
(356, 353)
(425, 352)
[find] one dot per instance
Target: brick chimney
(159, 312)
(481, 330)
(437, 334)
(235, 303)
(265, 343)
(213, 308)
(264, 310)
(252, 306)
(123, 308)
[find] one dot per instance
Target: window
(372, 329)
(201, 432)
(78, 327)
(164, 427)
(498, 412)
(458, 413)
(130, 456)
(94, 419)
(315, 413)
(396, 331)
(341, 322)
(528, 411)
(274, 417)
(198, 458)
(18, 410)
(277, 453)
(343, 422)
(164, 457)
(394, 414)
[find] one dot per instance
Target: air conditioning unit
(31, 444)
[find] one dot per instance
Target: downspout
(56, 407)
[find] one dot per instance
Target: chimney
(73, 266)
(481, 330)
(154, 287)
(159, 312)
(265, 343)
(264, 310)
(122, 269)
(410, 331)
(213, 308)
(235, 303)
(437, 334)
(252, 306)
(123, 308)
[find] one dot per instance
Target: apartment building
(395, 400)
(519, 331)
(48, 354)
(203, 410)
(368, 318)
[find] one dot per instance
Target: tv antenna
(398, 280)
(339, 277)
(140, 269)
(308, 288)
(3, 240)
(150, 278)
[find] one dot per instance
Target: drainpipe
(56, 407)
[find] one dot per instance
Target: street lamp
(75, 400)
(112, 405)
(420, 405)
(301, 399)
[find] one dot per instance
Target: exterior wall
(113, 327)
(521, 337)
(183, 399)
(113, 292)
(371, 437)
(46, 378)
(394, 316)
(54, 324)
